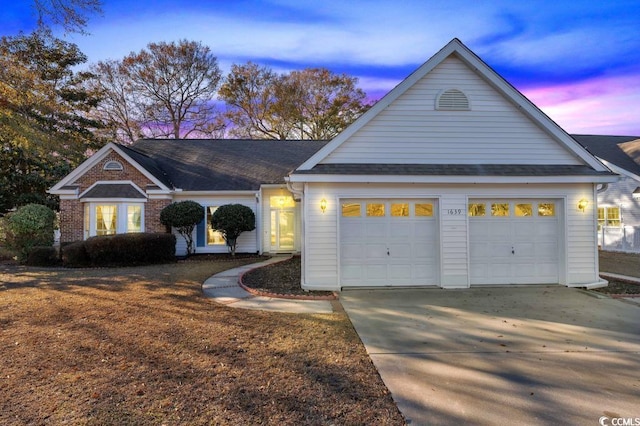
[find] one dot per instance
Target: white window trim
(606, 219)
(113, 166)
(121, 214)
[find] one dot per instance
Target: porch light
(323, 205)
(582, 205)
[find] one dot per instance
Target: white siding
(411, 130)
(620, 194)
(247, 242)
(577, 245)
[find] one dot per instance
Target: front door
(282, 230)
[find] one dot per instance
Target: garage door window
(500, 209)
(400, 209)
(351, 210)
(424, 209)
(523, 210)
(546, 209)
(375, 209)
(476, 209)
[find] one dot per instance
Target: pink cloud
(607, 105)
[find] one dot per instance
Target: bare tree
(167, 90)
(309, 104)
(72, 15)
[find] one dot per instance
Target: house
(618, 202)
(453, 179)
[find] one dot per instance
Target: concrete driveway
(523, 355)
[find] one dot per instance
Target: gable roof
(473, 62)
(621, 151)
(222, 164)
(113, 190)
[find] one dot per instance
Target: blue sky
(578, 60)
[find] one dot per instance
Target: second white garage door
(388, 242)
(514, 241)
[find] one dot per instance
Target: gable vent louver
(113, 165)
(452, 100)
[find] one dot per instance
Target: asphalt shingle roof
(221, 164)
(113, 190)
(622, 151)
(453, 170)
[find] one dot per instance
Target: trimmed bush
(231, 220)
(30, 226)
(74, 255)
(183, 216)
(131, 249)
(43, 256)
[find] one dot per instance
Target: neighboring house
(453, 179)
(618, 202)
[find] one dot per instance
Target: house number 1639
(454, 212)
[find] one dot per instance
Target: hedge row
(120, 250)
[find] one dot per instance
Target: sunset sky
(579, 60)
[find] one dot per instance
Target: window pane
(500, 209)
(477, 209)
(281, 201)
(134, 219)
(375, 209)
(546, 209)
(425, 209)
(351, 210)
(600, 213)
(400, 209)
(106, 220)
(87, 220)
(524, 210)
(213, 237)
(613, 216)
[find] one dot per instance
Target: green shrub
(231, 220)
(74, 255)
(131, 249)
(43, 256)
(30, 226)
(183, 216)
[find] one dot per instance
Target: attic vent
(112, 165)
(452, 100)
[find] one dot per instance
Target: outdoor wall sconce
(582, 205)
(323, 205)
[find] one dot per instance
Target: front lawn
(141, 345)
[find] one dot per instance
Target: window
(113, 165)
(112, 218)
(500, 209)
(134, 218)
(523, 210)
(351, 210)
(452, 100)
(609, 216)
(375, 209)
(546, 209)
(424, 209)
(477, 209)
(400, 209)
(281, 201)
(106, 219)
(214, 238)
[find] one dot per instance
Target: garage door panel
(514, 249)
(390, 249)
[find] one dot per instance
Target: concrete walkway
(224, 289)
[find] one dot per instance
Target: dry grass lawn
(141, 346)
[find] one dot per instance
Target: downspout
(298, 196)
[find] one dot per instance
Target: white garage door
(514, 241)
(388, 242)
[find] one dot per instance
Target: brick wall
(72, 211)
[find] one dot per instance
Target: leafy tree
(231, 220)
(30, 226)
(310, 104)
(183, 216)
(45, 116)
(163, 91)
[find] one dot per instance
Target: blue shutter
(201, 239)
